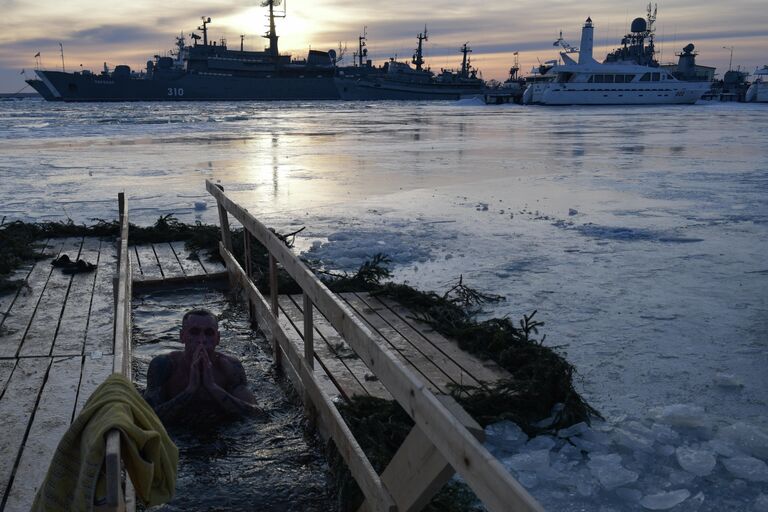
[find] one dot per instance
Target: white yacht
(758, 91)
(629, 75)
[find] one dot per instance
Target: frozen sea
(639, 234)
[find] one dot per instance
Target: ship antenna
(242, 39)
(61, 47)
(418, 57)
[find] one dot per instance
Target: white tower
(587, 37)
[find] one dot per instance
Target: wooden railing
(117, 499)
(440, 442)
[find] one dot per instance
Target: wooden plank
(16, 409)
(70, 337)
(99, 336)
(434, 376)
(213, 267)
(169, 264)
(148, 266)
(341, 350)
(337, 369)
(20, 315)
(329, 416)
(6, 369)
(7, 298)
(191, 267)
(492, 483)
(96, 369)
(481, 371)
(52, 419)
(38, 341)
(452, 370)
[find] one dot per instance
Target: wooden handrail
(492, 483)
(366, 477)
(115, 499)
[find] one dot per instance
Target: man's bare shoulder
(166, 361)
(227, 360)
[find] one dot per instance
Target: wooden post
(418, 470)
(275, 307)
(226, 235)
(249, 273)
(309, 344)
(309, 355)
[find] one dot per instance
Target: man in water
(198, 380)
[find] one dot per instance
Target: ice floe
(674, 459)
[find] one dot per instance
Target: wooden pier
(63, 334)
(57, 344)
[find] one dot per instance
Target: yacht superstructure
(758, 91)
(628, 76)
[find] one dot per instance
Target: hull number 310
(175, 91)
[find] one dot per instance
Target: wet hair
(199, 312)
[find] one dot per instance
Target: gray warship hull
(372, 90)
(184, 87)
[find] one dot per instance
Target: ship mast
(204, 28)
(272, 34)
(362, 51)
(652, 29)
(418, 57)
(465, 50)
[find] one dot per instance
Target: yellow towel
(149, 455)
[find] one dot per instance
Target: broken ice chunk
(664, 434)
(750, 439)
(537, 460)
(728, 380)
(632, 441)
(631, 495)
(573, 430)
(540, 443)
(665, 500)
(698, 462)
(505, 434)
(748, 468)
(761, 503)
(681, 415)
(609, 471)
(528, 480)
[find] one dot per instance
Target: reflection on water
(241, 465)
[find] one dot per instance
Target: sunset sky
(93, 32)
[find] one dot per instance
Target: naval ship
(203, 70)
(399, 81)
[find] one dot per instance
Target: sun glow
(295, 31)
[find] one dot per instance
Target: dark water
(269, 465)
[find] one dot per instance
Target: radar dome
(639, 25)
(332, 54)
(689, 48)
